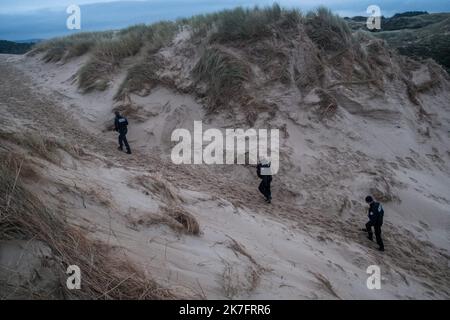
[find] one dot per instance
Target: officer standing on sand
(120, 125)
(375, 215)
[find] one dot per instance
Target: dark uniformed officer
(375, 215)
(120, 125)
(263, 172)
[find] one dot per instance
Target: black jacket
(120, 124)
(376, 213)
(265, 178)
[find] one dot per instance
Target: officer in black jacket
(375, 215)
(263, 172)
(120, 125)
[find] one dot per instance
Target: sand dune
(204, 231)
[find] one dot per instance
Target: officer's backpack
(265, 169)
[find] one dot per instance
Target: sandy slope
(305, 245)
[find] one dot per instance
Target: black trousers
(264, 188)
(377, 228)
(123, 140)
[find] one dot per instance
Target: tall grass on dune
(223, 73)
(66, 48)
(327, 30)
(243, 23)
(141, 76)
(108, 55)
(107, 50)
(105, 58)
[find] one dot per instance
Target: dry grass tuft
(237, 247)
(325, 283)
(252, 274)
(22, 162)
(231, 285)
(188, 222)
(173, 214)
(328, 104)
(160, 187)
(176, 218)
(42, 146)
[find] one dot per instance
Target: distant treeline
(409, 14)
(10, 47)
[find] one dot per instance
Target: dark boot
(369, 231)
(120, 147)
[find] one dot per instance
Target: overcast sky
(37, 19)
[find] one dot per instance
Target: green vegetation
(66, 48)
(107, 50)
(431, 41)
(242, 24)
(411, 20)
(253, 24)
(223, 73)
(141, 76)
(10, 47)
(106, 57)
(327, 30)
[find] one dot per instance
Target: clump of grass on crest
(143, 74)
(159, 35)
(66, 48)
(223, 74)
(108, 55)
(244, 23)
(327, 30)
(107, 49)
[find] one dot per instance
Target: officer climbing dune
(375, 214)
(264, 173)
(121, 126)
